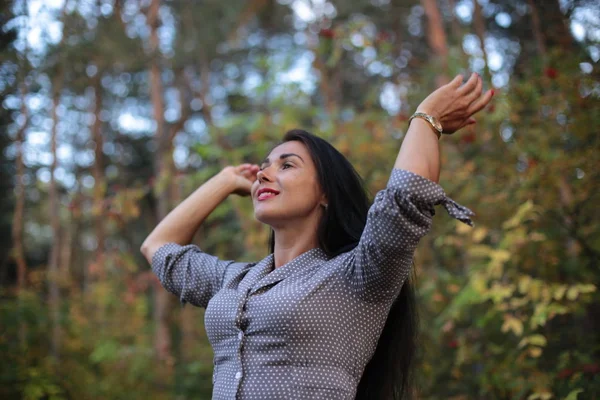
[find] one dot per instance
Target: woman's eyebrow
(281, 157)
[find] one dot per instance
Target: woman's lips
(266, 195)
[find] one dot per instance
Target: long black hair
(388, 375)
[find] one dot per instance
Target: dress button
(238, 375)
(240, 335)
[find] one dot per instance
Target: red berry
(565, 373)
(328, 33)
(468, 137)
(551, 73)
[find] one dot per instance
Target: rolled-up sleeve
(189, 273)
(400, 216)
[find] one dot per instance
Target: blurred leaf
(512, 324)
(574, 394)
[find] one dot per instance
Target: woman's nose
(262, 176)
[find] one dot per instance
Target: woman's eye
(286, 165)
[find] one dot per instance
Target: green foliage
(518, 298)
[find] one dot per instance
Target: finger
(252, 178)
(251, 167)
(469, 85)
(249, 172)
(480, 103)
(245, 173)
(242, 167)
(457, 81)
(474, 95)
(466, 123)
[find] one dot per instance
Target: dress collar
(263, 274)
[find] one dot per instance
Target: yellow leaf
(499, 292)
(534, 290)
(572, 293)
(479, 283)
(540, 396)
(538, 340)
(501, 256)
(535, 340)
(519, 216)
(573, 394)
(479, 234)
(462, 228)
(546, 295)
(524, 282)
(536, 236)
(480, 250)
(516, 302)
(513, 324)
(560, 291)
(586, 288)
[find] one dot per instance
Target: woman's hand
(241, 177)
(454, 104)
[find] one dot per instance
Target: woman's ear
(324, 201)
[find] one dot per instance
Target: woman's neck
(292, 241)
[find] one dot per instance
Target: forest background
(112, 112)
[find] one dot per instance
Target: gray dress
(307, 329)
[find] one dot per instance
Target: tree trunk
(436, 37)
(17, 224)
(53, 265)
(188, 318)
(549, 29)
(479, 24)
(18, 218)
(162, 339)
(205, 81)
(537, 29)
(327, 83)
(74, 258)
(66, 252)
(555, 27)
(99, 182)
(457, 32)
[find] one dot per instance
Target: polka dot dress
(307, 329)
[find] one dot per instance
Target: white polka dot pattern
(307, 329)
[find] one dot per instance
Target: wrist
(226, 180)
(432, 122)
(427, 110)
(422, 125)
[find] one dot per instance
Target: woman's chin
(270, 217)
(264, 216)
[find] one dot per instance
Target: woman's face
(287, 187)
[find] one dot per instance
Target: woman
(329, 314)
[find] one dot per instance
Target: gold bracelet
(433, 121)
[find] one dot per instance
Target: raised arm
(402, 213)
(182, 268)
(180, 224)
(453, 105)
